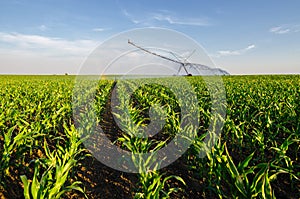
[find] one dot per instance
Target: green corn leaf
(155, 183)
(35, 185)
(244, 164)
(26, 185)
(231, 166)
(266, 187)
(259, 176)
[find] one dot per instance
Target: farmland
(42, 154)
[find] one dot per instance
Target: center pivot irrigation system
(184, 64)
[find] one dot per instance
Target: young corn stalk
(13, 146)
(53, 182)
(262, 176)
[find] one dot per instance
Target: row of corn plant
(148, 102)
(259, 143)
(34, 110)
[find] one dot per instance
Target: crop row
(48, 128)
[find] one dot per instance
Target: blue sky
(242, 37)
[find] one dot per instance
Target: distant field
(258, 154)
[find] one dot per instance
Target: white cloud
(250, 47)
(284, 29)
(99, 29)
(43, 28)
(279, 30)
(46, 45)
(223, 53)
(166, 17)
(130, 17)
(182, 21)
(36, 54)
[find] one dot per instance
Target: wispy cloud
(47, 45)
(165, 16)
(180, 21)
(43, 27)
(130, 17)
(223, 53)
(284, 29)
(279, 30)
(99, 29)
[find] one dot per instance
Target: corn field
(43, 155)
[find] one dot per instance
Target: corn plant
(13, 146)
(58, 164)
